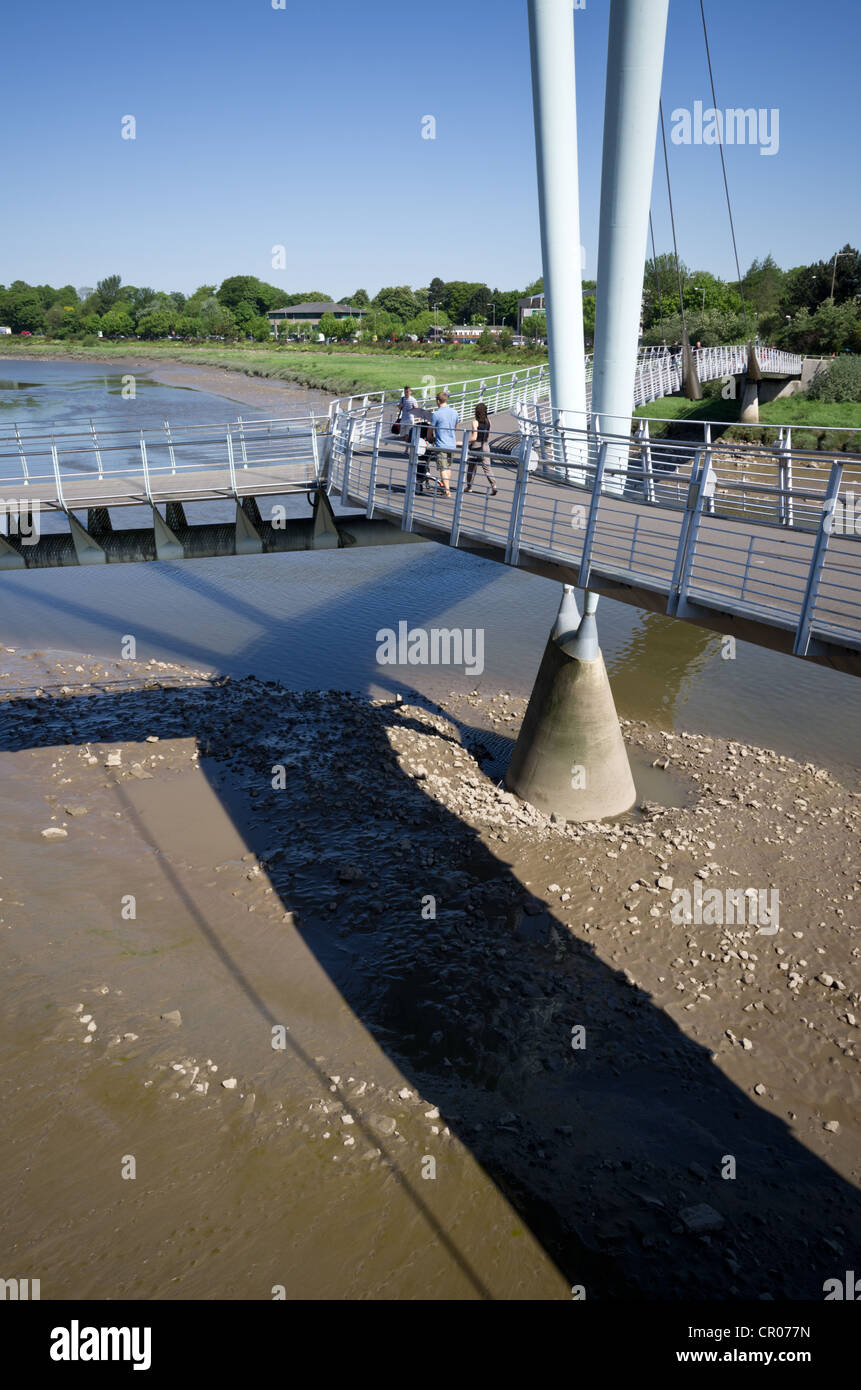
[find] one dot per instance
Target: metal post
(145, 467)
(55, 459)
(231, 464)
(589, 538)
(242, 440)
(820, 548)
(648, 475)
(96, 443)
(512, 550)
(412, 469)
(23, 455)
(695, 498)
(551, 37)
(348, 459)
(170, 447)
(372, 481)
(634, 66)
(461, 484)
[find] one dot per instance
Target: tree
(763, 285)
(157, 322)
(359, 300)
(238, 288)
(118, 323)
(458, 294)
(329, 326)
(22, 311)
(535, 326)
(260, 329)
(244, 313)
(108, 291)
(589, 303)
(423, 322)
(189, 326)
(397, 300)
(217, 320)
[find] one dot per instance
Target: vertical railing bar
(171, 454)
(98, 451)
(372, 480)
(817, 562)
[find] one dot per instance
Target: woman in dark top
(479, 448)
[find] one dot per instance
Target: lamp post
(493, 307)
(837, 256)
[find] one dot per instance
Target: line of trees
(810, 308)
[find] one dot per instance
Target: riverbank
(337, 372)
(348, 952)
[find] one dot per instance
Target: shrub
(840, 381)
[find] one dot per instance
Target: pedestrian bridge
(757, 540)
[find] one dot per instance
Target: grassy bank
(337, 371)
(832, 421)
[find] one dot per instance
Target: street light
(837, 256)
(493, 307)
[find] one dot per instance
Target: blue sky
(301, 127)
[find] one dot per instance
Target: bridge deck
(729, 565)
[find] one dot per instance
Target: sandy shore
(352, 874)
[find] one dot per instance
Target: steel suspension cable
(672, 217)
(657, 276)
(723, 167)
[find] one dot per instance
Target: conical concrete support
(749, 402)
(750, 389)
(690, 377)
(570, 756)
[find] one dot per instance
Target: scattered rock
(700, 1219)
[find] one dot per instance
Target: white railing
(658, 373)
(744, 529)
(111, 467)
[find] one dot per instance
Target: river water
(311, 620)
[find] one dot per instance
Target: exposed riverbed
(182, 909)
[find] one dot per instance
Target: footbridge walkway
(758, 540)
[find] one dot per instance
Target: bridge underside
(744, 628)
(172, 538)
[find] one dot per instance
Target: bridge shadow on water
(593, 1148)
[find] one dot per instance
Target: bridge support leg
(749, 402)
(570, 757)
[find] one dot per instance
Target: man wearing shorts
(444, 420)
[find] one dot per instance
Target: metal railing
(658, 373)
(87, 466)
(741, 529)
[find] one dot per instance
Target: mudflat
(300, 999)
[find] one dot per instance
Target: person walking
(408, 415)
(445, 420)
(479, 448)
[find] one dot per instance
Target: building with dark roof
(312, 312)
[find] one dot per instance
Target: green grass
(338, 371)
(835, 420)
